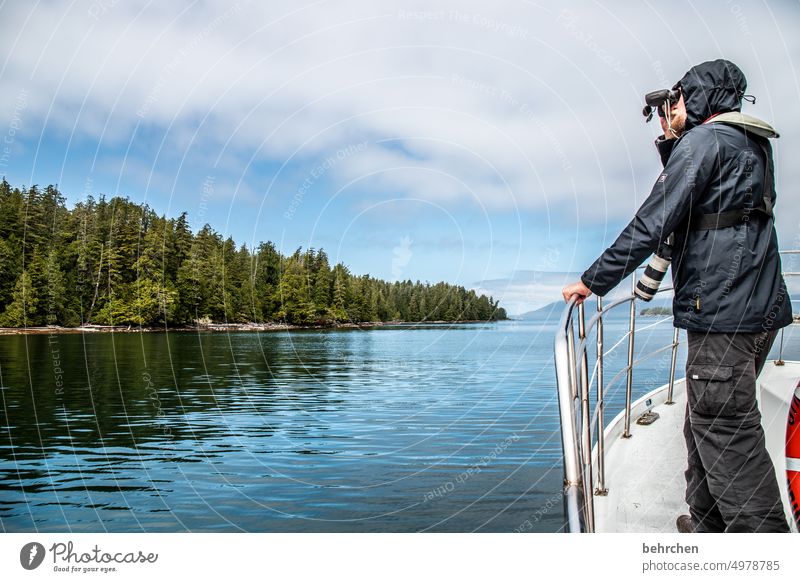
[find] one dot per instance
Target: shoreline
(217, 327)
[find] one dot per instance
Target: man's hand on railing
(577, 288)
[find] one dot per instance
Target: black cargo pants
(730, 481)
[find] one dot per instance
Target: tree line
(116, 262)
(651, 311)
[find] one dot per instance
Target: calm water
(394, 429)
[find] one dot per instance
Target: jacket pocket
(712, 390)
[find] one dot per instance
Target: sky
(497, 146)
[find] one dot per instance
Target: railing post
(779, 361)
(629, 385)
(573, 389)
(601, 439)
(675, 338)
(574, 502)
(586, 425)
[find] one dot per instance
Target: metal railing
(779, 361)
(572, 378)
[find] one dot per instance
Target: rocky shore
(212, 327)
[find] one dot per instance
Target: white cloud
(507, 105)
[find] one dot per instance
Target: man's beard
(678, 126)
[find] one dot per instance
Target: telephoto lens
(648, 284)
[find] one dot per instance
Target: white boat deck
(645, 473)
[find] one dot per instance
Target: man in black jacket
(715, 195)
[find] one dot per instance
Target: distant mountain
(553, 310)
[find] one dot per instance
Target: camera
(656, 100)
(648, 284)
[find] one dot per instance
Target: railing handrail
(572, 378)
(602, 312)
(573, 495)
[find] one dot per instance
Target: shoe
(684, 524)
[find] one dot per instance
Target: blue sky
(499, 147)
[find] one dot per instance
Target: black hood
(712, 87)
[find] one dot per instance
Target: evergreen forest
(117, 262)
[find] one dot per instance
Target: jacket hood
(711, 87)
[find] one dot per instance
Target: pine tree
(322, 291)
(338, 310)
(55, 293)
(293, 294)
(22, 309)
